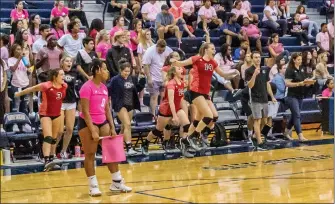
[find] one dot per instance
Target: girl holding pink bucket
(96, 121)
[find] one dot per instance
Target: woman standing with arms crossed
(124, 97)
(53, 93)
(96, 120)
(203, 68)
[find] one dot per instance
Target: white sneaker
(94, 191)
(26, 128)
(310, 36)
(16, 128)
(3, 130)
(64, 155)
(119, 187)
(131, 152)
(32, 115)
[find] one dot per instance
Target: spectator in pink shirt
(149, 12)
(57, 24)
(60, 10)
(277, 49)
(246, 5)
(207, 17)
(323, 39)
(4, 51)
(253, 33)
(134, 41)
(118, 26)
(103, 44)
(306, 23)
(177, 13)
(329, 88)
(330, 28)
(241, 13)
(34, 27)
(19, 14)
(188, 12)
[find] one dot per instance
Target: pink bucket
(112, 149)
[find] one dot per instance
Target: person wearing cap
(117, 52)
(166, 25)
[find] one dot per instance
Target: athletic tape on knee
(168, 127)
(54, 141)
(195, 123)
(48, 139)
(186, 127)
(207, 120)
(157, 133)
(215, 119)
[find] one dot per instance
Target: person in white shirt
(41, 42)
(149, 12)
(270, 18)
(207, 17)
(188, 9)
(330, 27)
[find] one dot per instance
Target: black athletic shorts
(128, 108)
(195, 95)
(187, 97)
(51, 117)
(82, 124)
(161, 114)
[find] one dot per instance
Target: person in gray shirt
(166, 25)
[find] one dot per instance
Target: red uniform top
(52, 99)
(164, 107)
(202, 73)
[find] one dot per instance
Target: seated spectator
(149, 11)
(41, 42)
(85, 57)
(96, 26)
(117, 52)
(4, 42)
(189, 13)
(306, 23)
(284, 7)
(225, 62)
(228, 5)
(103, 44)
(279, 81)
(72, 43)
(271, 20)
(60, 10)
(34, 27)
(253, 33)
(180, 22)
(77, 20)
(145, 42)
(321, 71)
(48, 57)
(277, 49)
(242, 13)
(207, 17)
(323, 39)
(220, 10)
(280, 60)
(135, 6)
(232, 31)
(165, 25)
(19, 14)
(16, 26)
(57, 24)
(118, 26)
(244, 47)
(120, 5)
(328, 91)
(296, 30)
(330, 28)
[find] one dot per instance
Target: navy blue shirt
(234, 27)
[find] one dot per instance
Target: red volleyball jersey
(52, 99)
(164, 107)
(202, 74)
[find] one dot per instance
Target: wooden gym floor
(301, 174)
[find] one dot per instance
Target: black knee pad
(168, 127)
(207, 120)
(215, 119)
(186, 127)
(49, 140)
(157, 133)
(195, 123)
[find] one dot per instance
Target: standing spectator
(306, 22)
(280, 60)
(277, 49)
(3, 91)
(153, 61)
(296, 30)
(149, 11)
(309, 68)
(279, 81)
(103, 44)
(328, 91)
(259, 85)
(165, 25)
(247, 63)
(48, 57)
(96, 26)
(231, 30)
(57, 24)
(127, 45)
(270, 18)
(134, 41)
(4, 42)
(84, 58)
(60, 10)
(330, 28)
(118, 26)
(34, 27)
(18, 13)
(189, 13)
(72, 42)
(295, 81)
(253, 33)
(144, 43)
(41, 42)
(321, 71)
(207, 17)
(116, 53)
(323, 39)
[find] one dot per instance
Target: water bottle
(77, 151)
(25, 61)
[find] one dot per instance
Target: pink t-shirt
(53, 58)
(57, 13)
(225, 66)
(277, 49)
(176, 12)
(246, 5)
(208, 13)
(331, 29)
(98, 99)
(19, 15)
(103, 47)
(57, 33)
(132, 45)
(242, 12)
(187, 6)
(323, 38)
(151, 9)
(251, 30)
(327, 93)
(20, 77)
(114, 30)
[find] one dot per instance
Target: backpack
(220, 138)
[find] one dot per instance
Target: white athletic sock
(250, 132)
(92, 180)
(116, 176)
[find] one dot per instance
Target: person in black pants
(295, 80)
(296, 30)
